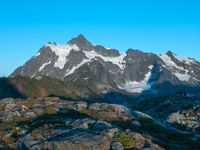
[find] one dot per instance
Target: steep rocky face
(134, 72)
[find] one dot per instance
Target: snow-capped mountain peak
(133, 71)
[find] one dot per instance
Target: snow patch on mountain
(168, 62)
(184, 59)
(138, 87)
(44, 65)
(62, 51)
(92, 55)
(108, 48)
(119, 60)
(38, 54)
(182, 77)
(84, 61)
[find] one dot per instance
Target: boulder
(86, 141)
(117, 146)
(111, 132)
(101, 125)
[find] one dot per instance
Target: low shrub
(124, 139)
(50, 111)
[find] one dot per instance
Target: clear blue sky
(148, 25)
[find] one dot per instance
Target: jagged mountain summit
(104, 69)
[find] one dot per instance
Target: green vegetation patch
(124, 139)
(50, 111)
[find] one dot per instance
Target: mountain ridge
(106, 69)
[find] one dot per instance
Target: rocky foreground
(52, 123)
